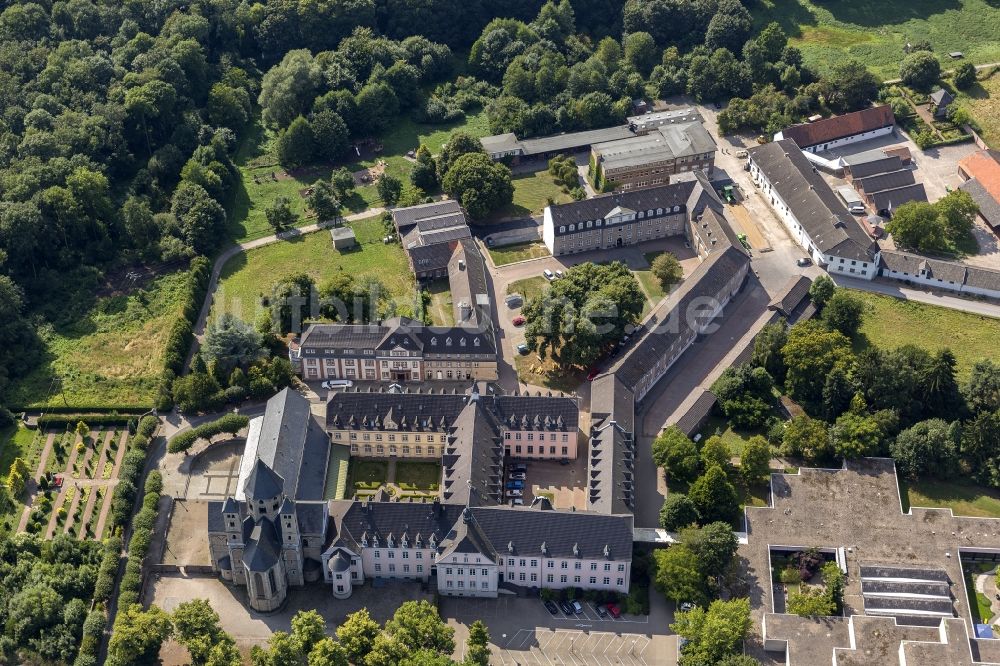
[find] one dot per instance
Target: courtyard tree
(926, 449)
(677, 511)
(843, 312)
(480, 184)
(745, 395)
(389, 189)
(767, 349)
(477, 645)
(667, 270)
(715, 497)
(713, 633)
(821, 290)
(459, 143)
(755, 462)
(714, 545)
(715, 452)
(678, 575)
(811, 352)
(138, 635)
(357, 634)
(328, 652)
(676, 454)
(197, 627)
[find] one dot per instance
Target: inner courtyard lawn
(508, 254)
(962, 497)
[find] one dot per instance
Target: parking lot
(523, 632)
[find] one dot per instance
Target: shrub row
(128, 477)
(229, 423)
(96, 409)
(138, 545)
(93, 632)
(105, 584)
(63, 420)
(182, 330)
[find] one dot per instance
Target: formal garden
(403, 481)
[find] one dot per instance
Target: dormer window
(572, 227)
(677, 209)
(562, 228)
(447, 342)
(461, 342)
(434, 342)
(649, 212)
(475, 342)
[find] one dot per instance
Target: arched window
(258, 586)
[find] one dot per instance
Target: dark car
(803, 261)
(515, 485)
(551, 607)
(601, 611)
(566, 607)
(522, 349)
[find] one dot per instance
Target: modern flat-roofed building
(841, 130)
(650, 158)
(815, 216)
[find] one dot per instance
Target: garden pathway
(106, 507)
(88, 510)
(67, 476)
(32, 484)
(232, 251)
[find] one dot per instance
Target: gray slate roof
(894, 198)
(885, 164)
(427, 216)
(812, 202)
(352, 520)
(398, 331)
(611, 462)
(667, 142)
(565, 534)
(294, 445)
(596, 208)
(989, 208)
(263, 483)
(791, 295)
(885, 181)
(263, 546)
(472, 464)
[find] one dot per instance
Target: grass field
(983, 103)
(255, 158)
(532, 192)
(650, 284)
(441, 308)
(890, 322)
(113, 356)
(529, 288)
(250, 275)
(366, 473)
(519, 252)
(418, 475)
(876, 32)
(965, 499)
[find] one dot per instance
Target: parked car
(515, 485)
(515, 301)
(514, 493)
(559, 275)
(565, 607)
(522, 349)
(803, 261)
(857, 209)
(517, 502)
(614, 610)
(686, 606)
(517, 476)
(577, 608)
(601, 611)
(337, 383)
(518, 467)
(549, 275)
(519, 320)
(551, 607)
(741, 154)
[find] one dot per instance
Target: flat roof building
(649, 159)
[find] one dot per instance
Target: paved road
(230, 252)
(905, 293)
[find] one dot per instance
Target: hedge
(229, 423)
(132, 410)
(105, 583)
(63, 420)
(93, 632)
(181, 331)
(147, 426)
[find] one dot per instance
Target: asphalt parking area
(569, 647)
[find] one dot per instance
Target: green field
(650, 284)
(418, 475)
(532, 192)
(368, 474)
(529, 288)
(964, 498)
(250, 275)
(113, 356)
(509, 254)
(890, 322)
(876, 32)
(983, 103)
(441, 308)
(255, 158)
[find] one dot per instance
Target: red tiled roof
(837, 127)
(984, 166)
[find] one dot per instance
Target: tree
(676, 454)
(667, 270)
(458, 144)
(957, 212)
(920, 70)
(855, 435)
(197, 627)
(677, 511)
(810, 354)
(200, 217)
(282, 650)
(714, 497)
(418, 626)
(323, 201)
(479, 183)
(767, 349)
(288, 87)
(641, 52)
(328, 652)
(745, 395)
(424, 173)
(330, 135)
(389, 188)
(678, 576)
(308, 629)
(715, 452)
(377, 106)
(714, 545)
(296, 145)
(928, 448)
(231, 343)
(822, 290)
(138, 635)
(279, 214)
(357, 634)
(811, 602)
(808, 438)
(714, 633)
(755, 463)
(851, 86)
(982, 390)
(843, 312)
(477, 645)
(729, 27)
(964, 76)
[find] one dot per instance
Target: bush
(108, 568)
(790, 576)
(65, 420)
(154, 482)
(229, 423)
(147, 426)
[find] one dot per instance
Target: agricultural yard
(88, 466)
(249, 276)
(259, 187)
(876, 32)
(111, 357)
(890, 322)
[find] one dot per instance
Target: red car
(519, 320)
(614, 610)
(594, 371)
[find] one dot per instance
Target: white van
(337, 383)
(549, 275)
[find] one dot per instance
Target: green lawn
(876, 32)
(441, 308)
(418, 475)
(983, 103)
(529, 288)
(734, 439)
(509, 254)
(650, 283)
(250, 275)
(255, 158)
(366, 473)
(890, 322)
(532, 192)
(979, 603)
(964, 498)
(113, 356)
(336, 472)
